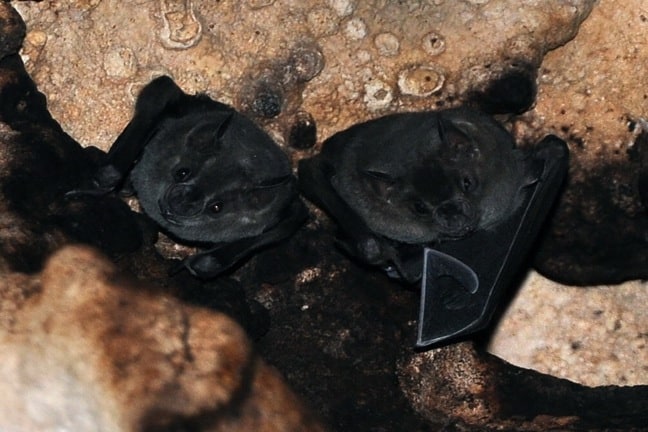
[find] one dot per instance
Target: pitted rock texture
(380, 56)
(598, 332)
(91, 57)
(86, 349)
(363, 59)
(592, 93)
(483, 392)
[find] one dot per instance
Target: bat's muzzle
(456, 218)
(182, 201)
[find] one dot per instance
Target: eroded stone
(239, 39)
(378, 95)
(181, 29)
(120, 63)
(322, 21)
(387, 44)
(84, 349)
(306, 61)
(433, 43)
(356, 29)
(259, 4)
(342, 7)
(420, 81)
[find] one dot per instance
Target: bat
(415, 178)
(206, 174)
(464, 279)
(405, 183)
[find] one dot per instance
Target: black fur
(406, 180)
(205, 174)
(39, 163)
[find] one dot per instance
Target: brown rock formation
(337, 330)
(86, 349)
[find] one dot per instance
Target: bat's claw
(367, 248)
(86, 192)
(104, 182)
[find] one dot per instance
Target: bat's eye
(421, 208)
(216, 207)
(468, 183)
(182, 174)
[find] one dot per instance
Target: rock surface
(379, 56)
(594, 336)
(459, 382)
(361, 60)
(85, 349)
(337, 330)
(592, 93)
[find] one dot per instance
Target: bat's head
(213, 177)
(452, 173)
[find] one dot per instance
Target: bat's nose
(184, 200)
(456, 217)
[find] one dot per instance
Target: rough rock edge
(479, 391)
(119, 356)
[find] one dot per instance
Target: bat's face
(445, 176)
(213, 177)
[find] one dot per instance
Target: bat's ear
(455, 142)
(380, 182)
(204, 139)
(220, 133)
(157, 99)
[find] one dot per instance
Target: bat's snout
(457, 218)
(182, 201)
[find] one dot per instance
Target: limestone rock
(592, 93)
(86, 349)
(91, 57)
(482, 392)
(361, 60)
(594, 336)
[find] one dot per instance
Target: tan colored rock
(97, 54)
(595, 336)
(589, 88)
(458, 383)
(85, 349)
(591, 92)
